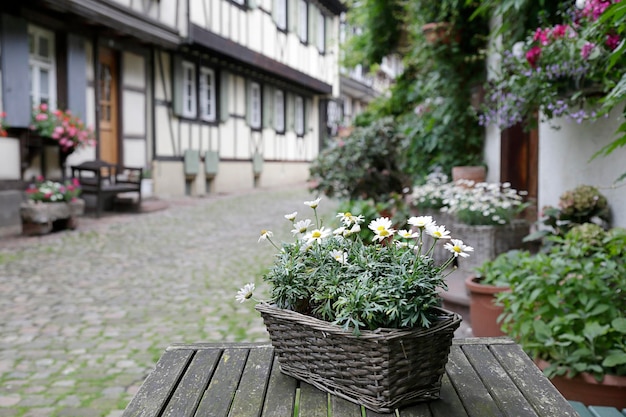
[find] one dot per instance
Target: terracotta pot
(484, 311)
(476, 173)
(611, 392)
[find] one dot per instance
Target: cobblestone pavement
(85, 314)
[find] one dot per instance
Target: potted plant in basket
(338, 301)
(51, 204)
(567, 308)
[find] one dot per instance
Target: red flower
(612, 41)
(532, 56)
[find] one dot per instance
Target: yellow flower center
(383, 232)
(457, 249)
(437, 234)
(316, 234)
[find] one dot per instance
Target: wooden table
(484, 377)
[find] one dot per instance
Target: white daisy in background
(438, 232)
(339, 256)
(317, 235)
(301, 226)
(422, 221)
(313, 204)
(457, 247)
(382, 228)
(292, 216)
(339, 231)
(348, 218)
(245, 293)
(265, 235)
(407, 234)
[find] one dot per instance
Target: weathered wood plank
(497, 381)
(537, 389)
(370, 413)
(218, 397)
(469, 387)
(248, 401)
(449, 404)
(280, 397)
(416, 410)
(484, 341)
(313, 402)
(159, 385)
(200, 345)
(195, 380)
(343, 408)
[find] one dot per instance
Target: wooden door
(519, 163)
(108, 105)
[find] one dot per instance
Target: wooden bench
(484, 377)
(105, 181)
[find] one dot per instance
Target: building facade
(205, 95)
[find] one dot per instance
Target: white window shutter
(268, 106)
(177, 85)
(224, 94)
(292, 15)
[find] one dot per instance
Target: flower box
(382, 369)
(41, 218)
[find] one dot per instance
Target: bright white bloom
(438, 232)
(245, 293)
(265, 234)
(421, 221)
(339, 231)
(339, 256)
(291, 217)
(458, 248)
(518, 50)
(317, 235)
(313, 204)
(348, 218)
(301, 226)
(407, 234)
(382, 228)
(580, 4)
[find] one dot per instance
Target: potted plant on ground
(51, 205)
(339, 303)
(567, 309)
(490, 279)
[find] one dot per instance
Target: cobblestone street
(85, 314)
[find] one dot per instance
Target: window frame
(190, 90)
(284, 7)
(303, 21)
(280, 107)
(38, 63)
(255, 119)
(207, 116)
(299, 122)
(242, 4)
(321, 32)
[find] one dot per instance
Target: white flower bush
(333, 275)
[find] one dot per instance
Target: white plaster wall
(9, 158)
(234, 176)
(168, 179)
(134, 113)
(284, 173)
(134, 153)
(134, 70)
(564, 162)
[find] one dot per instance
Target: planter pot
(146, 187)
(611, 392)
(476, 173)
(42, 218)
(382, 369)
(489, 241)
(484, 311)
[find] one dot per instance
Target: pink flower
(41, 117)
(532, 56)
(43, 107)
(612, 41)
(541, 35)
(559, 31)
(39, 178)
(586, 50)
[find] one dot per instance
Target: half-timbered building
(206, 95)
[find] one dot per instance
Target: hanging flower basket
(382, 369)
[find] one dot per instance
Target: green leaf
(619, 324)
(542, 331)
(593, 330)
(614, 359)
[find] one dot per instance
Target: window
(240, 2)
(189, 89)
(255, 105)
(42, 66)
(321, 32)
(303, 20)
(280, 14)
(299, 116)
(207, 94)
(279, 110)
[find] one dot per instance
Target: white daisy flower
(457, 247)
(313, 204)
(317, 235)
(245, 293)
(382, 228)
(339, 256)
(265, 234)
(407, 234)
(291, 217)
(301, 226)
(421, 221)
(438, 232)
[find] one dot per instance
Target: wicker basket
(382, 369)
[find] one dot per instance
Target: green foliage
(369, 164)
(389, 281)
(568, 306)
(499, 270)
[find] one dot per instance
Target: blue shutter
(15, 71)
(76, 75)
